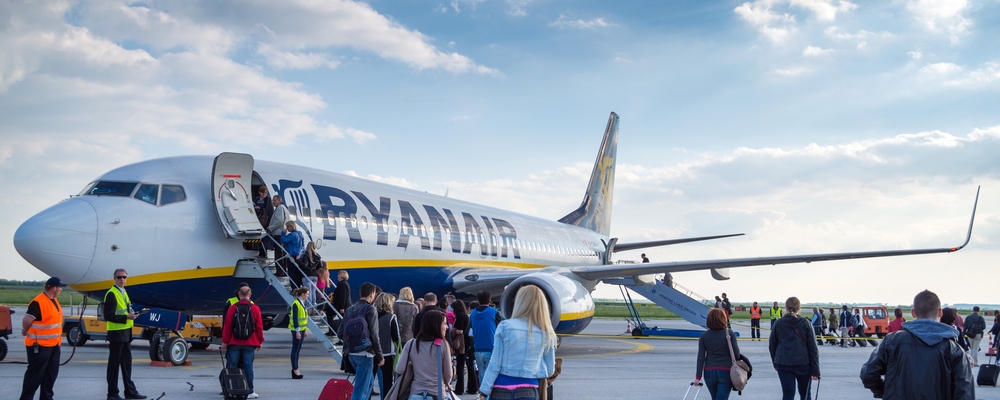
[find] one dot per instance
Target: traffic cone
(992, 351)
(629, 329)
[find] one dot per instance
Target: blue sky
(811, 125)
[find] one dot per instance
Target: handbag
(401, 385)
(738, 372)
(458, 341)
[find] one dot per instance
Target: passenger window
(112, 189)
(170, 194)
(364, 222)
(147, 193)
(343, 220)
(354, 220)
(395, 227)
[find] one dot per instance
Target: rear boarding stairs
(266, 268)
(669, 295)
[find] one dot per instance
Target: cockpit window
(107, 188)
(147, 193)
(172, 194)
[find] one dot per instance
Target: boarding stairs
(667, 294)
(267, 268)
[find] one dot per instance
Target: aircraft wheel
(174, 350)
(3, 349)
(636, 332)
(154, 346)
(76, 337)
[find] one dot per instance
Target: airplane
(178, 225)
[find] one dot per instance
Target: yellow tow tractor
(169, 332)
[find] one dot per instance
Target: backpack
(356, 334)
(243, 324)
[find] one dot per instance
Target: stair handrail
(690, 293)
(324, 299)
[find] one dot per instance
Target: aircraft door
(231, 179)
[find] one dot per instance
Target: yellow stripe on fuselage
(333, 265)
(576, 315)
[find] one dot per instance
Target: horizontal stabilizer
(642, 245)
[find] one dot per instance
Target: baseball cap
(54, 281)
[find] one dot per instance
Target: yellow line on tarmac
(639, 348)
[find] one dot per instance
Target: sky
(812, 126)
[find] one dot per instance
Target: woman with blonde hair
(405, 312)
(388, 336)
(524, 350)
(310, 264)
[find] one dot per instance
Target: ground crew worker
(234, 300)
(755, 322)
(118, 312)
(42, 331)
(775, 313)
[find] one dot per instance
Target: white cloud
(777, 26)
(459, 118)
(943, 16)
(978, 78)
(942, 68)
(564, 22)
(470, 3)
(792, 71)
(860, 38)
(295, 60)
(812, 51)
(517, 7)
(916, 54)
(624, 60)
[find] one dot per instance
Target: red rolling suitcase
(337, 389)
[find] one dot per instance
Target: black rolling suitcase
(988, 374)
(234, 384)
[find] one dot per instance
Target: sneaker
(253, 395)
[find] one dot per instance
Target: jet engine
(570, 303)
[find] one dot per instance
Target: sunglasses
(121, 277)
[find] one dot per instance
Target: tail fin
(595, 211)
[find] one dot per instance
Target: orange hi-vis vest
(755, 312)
(48, 331)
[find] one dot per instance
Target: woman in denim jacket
(524, 350)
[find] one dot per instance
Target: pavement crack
(192, 386)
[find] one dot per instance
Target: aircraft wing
(595, 272)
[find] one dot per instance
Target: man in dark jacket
(975, 326)
(431, 300)
(364, 361)
(922, 361)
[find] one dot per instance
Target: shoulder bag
(738, 372)
(458, 341)
(401, 385)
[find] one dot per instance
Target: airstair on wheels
(266, 268)
(669, 295)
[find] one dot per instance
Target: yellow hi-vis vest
(775, 312)
(48, 331)
(754, 312)
(303, 322)
(121, 308)
(235, 300)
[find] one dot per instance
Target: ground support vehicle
(6, 328)
(876, 321)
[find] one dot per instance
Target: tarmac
(608, 365)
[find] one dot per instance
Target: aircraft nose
(61, 240)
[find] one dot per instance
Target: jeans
(296, 348)
(363, 378)
(719, 384)
(311, 300)
(237, 354)
(422, 396)
(483, 361)
(792, 376)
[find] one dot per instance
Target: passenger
(832, 323)
(727, 306)
(714, 357)
(920, 361)
(263, 207)
(794, 352)
(948, 317)
(775, 313)
(431, 301)
(311, 261)
(42, 330)
(341, 302)
(817, 323)
(388, 330)
(524, 350)
(718, 302)
(298, 322)
(897, 323)
(278, 219)
(241, 351)
(325, 285)
(119, 316)
(423, 351)
(644, 259)
(235, 299)
(464, 358)
(995, 331)
(755, 322)
(975, 326)
(405, 311)
(445, 305)
(845, 327)
(859, 328)
(364, 359)
(420, 304)
(484, 320)
(293, 241)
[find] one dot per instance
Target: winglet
(971, 220)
